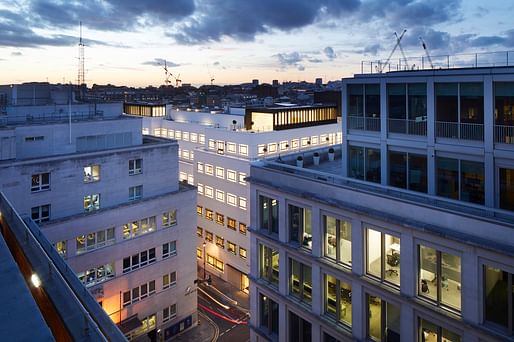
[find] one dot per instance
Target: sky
(235, 41)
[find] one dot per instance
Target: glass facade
(338, 239)
(498, 299)
(408, 171)
(300, 330)
(364, 163)
(439, 276)
(300, 226)
(383, 256)
(269, 264)
(268, 212)
(300, 281)
(460, 179)
(338, 300)
(430, 332)
(383, 320)
(506, 189)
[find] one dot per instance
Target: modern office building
(409, 235)
(110, 201)
(215, 153)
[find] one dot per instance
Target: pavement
(203, 332)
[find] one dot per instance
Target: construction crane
(167, 74)
(426, 52)
(212, 79)
(381, 66)
(178, 81)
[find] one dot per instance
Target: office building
(110, 201)
(407, 234)
(215, 152)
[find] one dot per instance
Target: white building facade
(110, 201)
(215, 154)
(409, 235)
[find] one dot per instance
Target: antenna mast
(81, 74)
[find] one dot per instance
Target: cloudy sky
(234, 41)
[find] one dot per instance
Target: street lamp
(204, 257)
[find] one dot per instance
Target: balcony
(410, 127)
(504, 134)
(364, 123)
(462, 131)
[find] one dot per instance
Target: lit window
(231, 247)
(199, 231)
(60, 247)
(305, 142)
(97, 274)
(242, 252)
(314, 140)
(383, 320)
(268, 264)
(208, 169)
(40, 182)
(135, 192)
(169, 280)
(338, 300)
(231, 175)
(220, 219)
(209, 191)
(178, 135)
(200, 188)
(300, 226)
(171, 133)
(383, 256)
(338, 239)
(243, 150)
(201, 138)
(295, 143)
(268, 214)
(220, 242)
(231, 199)
(199, 210)
(439, 277)
(220, 195)
(194, 137)
(242, 177)
(231, 147)
(136, 228)
(284, 145)
(185, 154)
(199, 167)
(209, 214)
(272, 148)
(220, 172)
(182, 176)
(169, 218)
(135, 166)
(242, 203)
(231, 223)
(242, 228)
(91, 173)
(92, 241)
(214, 262)
(190, 179)
(300, 280)
(212, 144)
(199, 253)
(261, 149)
(209, 237)
(429, 332)
(92, 202)
(185, 136)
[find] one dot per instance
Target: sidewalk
(203, 332)
(229, 290)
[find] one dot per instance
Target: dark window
(299, 329)
(300, 226)
(408, 171)
(364, 163)
(498, 300)
(269, 315)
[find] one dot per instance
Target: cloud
(329, 52)
(16, 53)
(291, 59)
(243, 20)
(160, 62)
(112, 15)
(315, 60)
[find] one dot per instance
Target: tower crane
(426, 52)
(167, 74)
(398, 44)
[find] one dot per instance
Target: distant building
(110, 201)
(318, 82)
(255, 82)
(275, 83)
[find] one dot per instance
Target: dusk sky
(235, 41)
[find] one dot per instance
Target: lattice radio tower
(81, 74)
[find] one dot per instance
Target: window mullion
(382, 256)
(438, 277)
(338, 239)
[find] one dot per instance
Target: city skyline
(126, 42)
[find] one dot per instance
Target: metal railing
(504, 134)
(469, 60)
(411, 127)
(463, 131)
(364, 123)
(50, 117)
